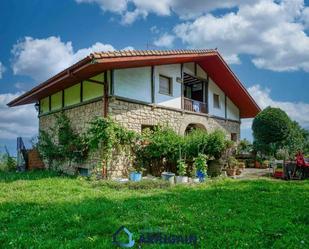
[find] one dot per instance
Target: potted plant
(258, 162)
(193, 175)
(136, 174)
(241, 165)
(200, 163)
(181, 170)
(231, 166)
(265, 164)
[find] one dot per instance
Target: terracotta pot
(231, 172)
(257, 164)
(238, 171)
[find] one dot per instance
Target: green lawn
(42, 210)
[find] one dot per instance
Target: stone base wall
(133, 116)
(80, 117)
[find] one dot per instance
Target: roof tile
(129, 53)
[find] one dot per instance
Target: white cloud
(268, 31)
(2, 69)
(43, 58)
(165, 40)
(17, 121)
(131, 10)
(108, 5)
(297, 111)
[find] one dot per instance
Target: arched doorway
(191, 127)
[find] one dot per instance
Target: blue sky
(265, 42)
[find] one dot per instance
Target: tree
(271, 129)
(298, 138)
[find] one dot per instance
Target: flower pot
(231, 172)
(201, 176)
(135, 176)
(257, 164)
(238, 171)
(181, 179)
(168, 176)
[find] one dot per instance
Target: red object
(300, 160)
(278, 174)
(210, 60)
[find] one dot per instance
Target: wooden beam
(62, 98)
(81, 91)
(182, 86)
(95, 81)
(112, 90)
(49, 103)
(105, 95)
(225, 105)
(152, 85)
(207, 94)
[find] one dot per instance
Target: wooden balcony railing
(194, 105)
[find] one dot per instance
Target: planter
(168, 176)
(238, 171)
(181, 179)
(257, 164)
(231, 172)
(278, 174)
(135, 176)
(241, 165)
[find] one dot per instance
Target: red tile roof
(210, 60)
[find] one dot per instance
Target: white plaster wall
(189, 68)
(133, 83)
(213, 88)
(200, 72)
(232, 110)
(173, 71)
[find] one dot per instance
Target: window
(72, 95)
(165, 85)
(56, 101)
(234, 137)
(216, 101)
(44, 105)
(92, 90)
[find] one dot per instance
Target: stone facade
(133, 115)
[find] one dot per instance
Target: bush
(198, 141)
(7, 163)
(163, 147)
(68, 145)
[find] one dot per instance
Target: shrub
(61, 143)
(181, 167)
(106, 136)
(164, 145)
(200, 163)
(198, 141)
(7, 162)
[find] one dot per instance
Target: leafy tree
(271, 129)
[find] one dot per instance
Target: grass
(43, 210)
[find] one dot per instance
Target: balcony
(194, 105)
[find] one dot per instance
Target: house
(139, 89)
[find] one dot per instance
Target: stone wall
(133, 116)
(80, 117)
